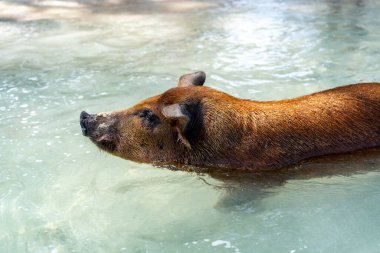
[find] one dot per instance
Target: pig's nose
(83, 121)
(84, 115)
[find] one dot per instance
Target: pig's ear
(193, 79)
(175, 112)
(187, 118)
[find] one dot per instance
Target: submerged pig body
(196, 125)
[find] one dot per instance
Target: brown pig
(196, 125)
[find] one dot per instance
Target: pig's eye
(148, 118)
(145, 113)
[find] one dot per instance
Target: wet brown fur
(245, 134)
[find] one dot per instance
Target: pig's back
(334, 121)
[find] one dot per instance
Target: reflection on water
(244, 186)
(58, 193)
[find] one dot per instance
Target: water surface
(59, 193)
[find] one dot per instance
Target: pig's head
(165, 129)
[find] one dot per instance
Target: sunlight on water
(59, 193)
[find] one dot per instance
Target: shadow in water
(242, 187)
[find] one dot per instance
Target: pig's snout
(86, 122)
(101, 128)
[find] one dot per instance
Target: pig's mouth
(101, 131)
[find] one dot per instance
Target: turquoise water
(59, 193)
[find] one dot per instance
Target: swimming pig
(196, 125)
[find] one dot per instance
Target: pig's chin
(105, 142)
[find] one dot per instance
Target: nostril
(83, 127)
(84, 115)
